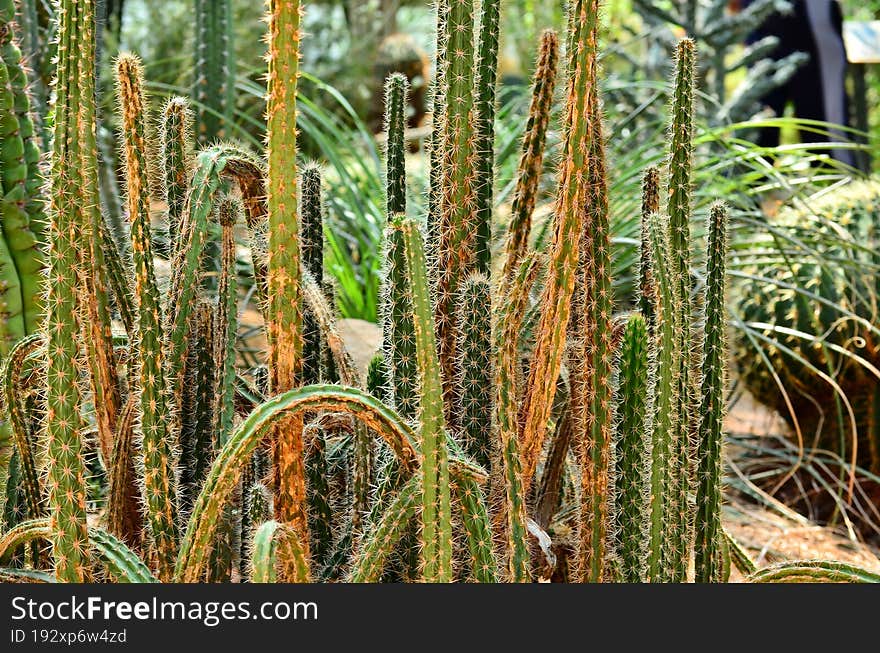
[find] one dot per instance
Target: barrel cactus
(825, 285)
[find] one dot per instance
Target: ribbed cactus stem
(434, 144)
(568, 225)
(487, 78)
(70, 215)
(176, 153)
(159, 482)
(320, 512)
(664, 489)
(475, 392)
(532, 155)
(708, 517)
(679, 210)
(312, 237)
(507, 330)
(590, 359)
(456, 249)
(21, 202)
(214, 59)
(225, 325)
(124, 518)
(285, 312)
(396, 87)
(436, 511)
(650, 206)
(632, 448)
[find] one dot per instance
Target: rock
(362, 340)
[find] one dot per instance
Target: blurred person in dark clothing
(818, 88)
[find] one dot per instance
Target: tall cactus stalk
(175, 139)
(632, 448)
(159, 483)
(568, 225)
(313, 260)
(69, 253)
(708, 518)
(486, 76)
(650, 206)
(679, 210)
(532, 156)
(436, 510)
(396, 302)
(456, 255)
(285, 312)
(214, 62)
(590, 357)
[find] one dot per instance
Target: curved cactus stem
(122, 563)
(532, 156)
(228, 464)
(436, 510)
(8, 575)
(814, 571)
(26, 531)
(158, 464)
(738, 556)
(13, 385)
(274, 542)
(379, 543)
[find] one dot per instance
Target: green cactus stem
(436, 537)
(456, 249)
(475, 389)
(632, 450)
(175, 139)
(312, 243)
(320, 512)
(532, 154)
(272, 543)
(679, 210)
(158, 464)
(225, 325)
(814, 571)
(484, 109)
(69, 253)
(650, 205)
(214, 62)
(708, 518)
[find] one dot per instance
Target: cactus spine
(159, 489)
(284, 290)
(313, 260)
(708, 519)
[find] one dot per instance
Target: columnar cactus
(175, 139)
(159, 482)
(313, 260)
(708, 517)
(632, 449)
(285, 311)
(214, 62)
(69, 253)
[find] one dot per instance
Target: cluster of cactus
(445, 461)
(822, 385)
